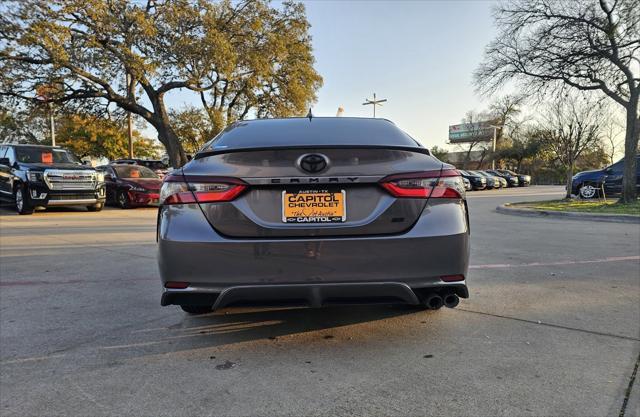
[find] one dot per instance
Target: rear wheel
(122, 199)
(23, 204)
(588, 191)
(96, 207)
(196, 309)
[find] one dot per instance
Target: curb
(571, 215)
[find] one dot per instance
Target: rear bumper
(138, 198)
(312, 295)
(310, 269)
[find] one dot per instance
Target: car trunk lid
(273, 176)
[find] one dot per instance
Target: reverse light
(430, 184)
(179, 189)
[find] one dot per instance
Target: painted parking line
(72, 281)
(558, 263)
(30, 359)
(482, 266)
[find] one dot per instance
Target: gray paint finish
(383, 242)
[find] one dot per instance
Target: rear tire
(122, 200)
(196, 310)
(96, 207)
(23, 203)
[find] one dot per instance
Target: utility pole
(52, 124)
(374, 103)
(129, 120)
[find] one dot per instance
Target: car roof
(310, 132)
(31, 145)
(122, 165)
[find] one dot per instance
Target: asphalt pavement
(552, 327)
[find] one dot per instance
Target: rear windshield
(134, 171)
(44, 156)
(302, 132)
(153, 164)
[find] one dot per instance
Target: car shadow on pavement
(237, 325)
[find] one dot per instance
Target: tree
(526, 143)
(612, 131)
(439, 153)
(193, 127)
(87, 135)
(23, 125)
(472, 119)
(247, 55)
(502, 114)
(583, 45)
(570, 127)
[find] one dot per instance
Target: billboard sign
(471, 132)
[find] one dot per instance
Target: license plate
(314, 206)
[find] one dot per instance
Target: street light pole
(374, 103)
(493, 153)
(493, 146)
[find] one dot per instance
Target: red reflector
(176, 285)
(452, 278)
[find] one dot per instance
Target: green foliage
(23, 125)
(439, 153)
(193, 127)
(99, 137)
(240, 58)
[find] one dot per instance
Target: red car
(131, 185)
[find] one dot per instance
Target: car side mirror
(5, 161)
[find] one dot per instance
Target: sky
(419, 55)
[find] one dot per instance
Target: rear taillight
(430, 184)
(179, 189)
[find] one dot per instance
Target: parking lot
(552, 327)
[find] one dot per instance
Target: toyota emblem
(313, 163)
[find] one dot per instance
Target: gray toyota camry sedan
(313, 211)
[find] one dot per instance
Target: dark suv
(587, 184)
(43, 176)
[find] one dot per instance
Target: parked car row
(493, 179)
(36, 176)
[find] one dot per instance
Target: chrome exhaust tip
(433, 302)
(451, 300)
